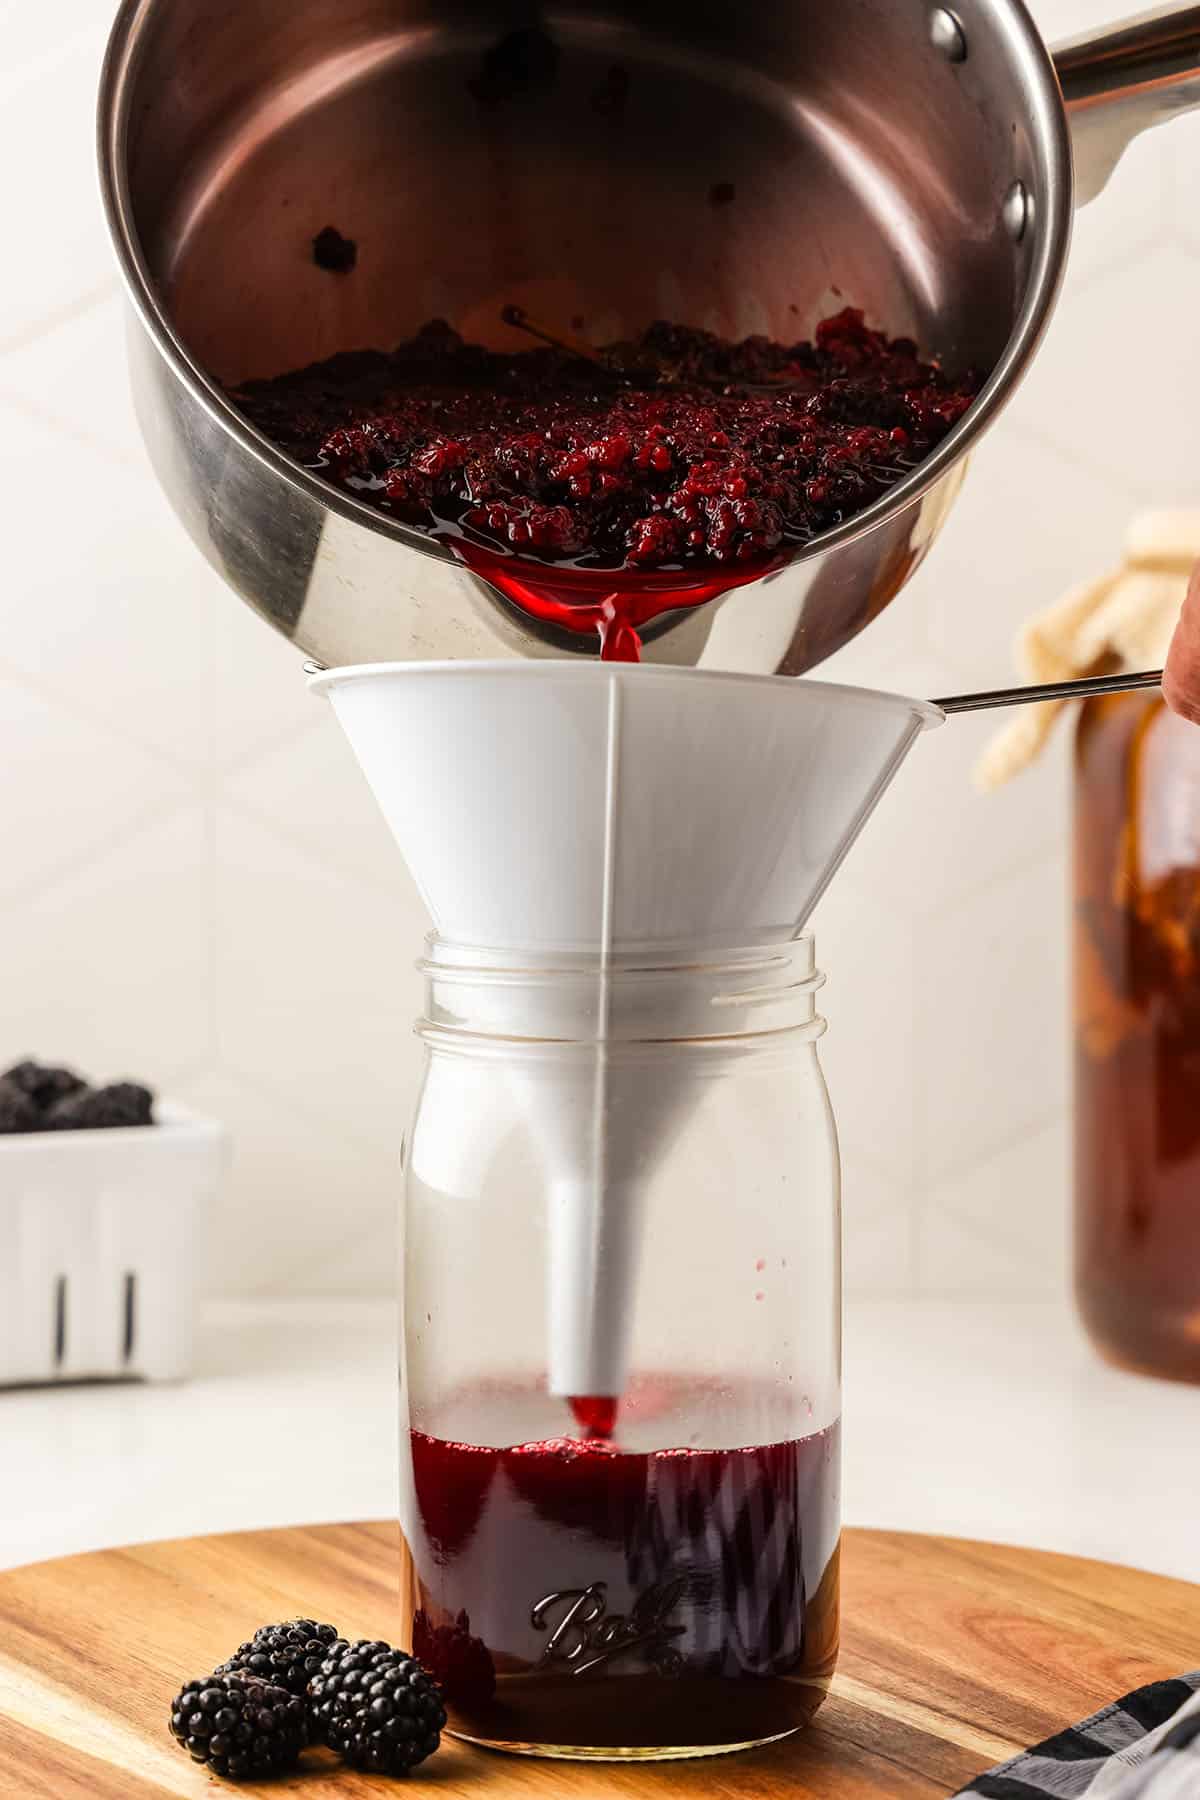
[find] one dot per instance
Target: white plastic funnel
(584, 806)
(606, 809)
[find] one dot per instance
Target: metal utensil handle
(1133, 75)
(1081, 689)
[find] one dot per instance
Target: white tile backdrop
(195, 887)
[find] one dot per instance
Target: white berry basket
(98, 1241)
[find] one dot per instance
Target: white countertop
(982, 1419)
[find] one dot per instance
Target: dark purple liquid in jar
(578, 1593)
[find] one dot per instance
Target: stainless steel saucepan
(915, 159)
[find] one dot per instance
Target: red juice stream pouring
(585, 601)
(595, 1414)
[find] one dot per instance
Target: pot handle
(1118, 83)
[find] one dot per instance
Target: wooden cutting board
(955, 1654)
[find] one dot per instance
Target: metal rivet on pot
(948, 35)
(1017, 211)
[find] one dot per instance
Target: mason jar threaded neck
(667, 994)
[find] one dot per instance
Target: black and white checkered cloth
(1144, 1747)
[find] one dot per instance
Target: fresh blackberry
(239, 1726)
(43, 1085)
(376, 1707)
(98, 1109)
(289, 1654)
(18, 1112)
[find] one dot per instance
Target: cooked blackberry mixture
(678, 450)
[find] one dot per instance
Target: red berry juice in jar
(619, 1494)
(603, 1595)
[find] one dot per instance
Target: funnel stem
(589, 1268)
(595, 1199)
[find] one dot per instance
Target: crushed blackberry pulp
(662, 473)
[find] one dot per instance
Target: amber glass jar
(1137, 1033)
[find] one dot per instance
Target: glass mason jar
(621, 1363)
(1137, 1033)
